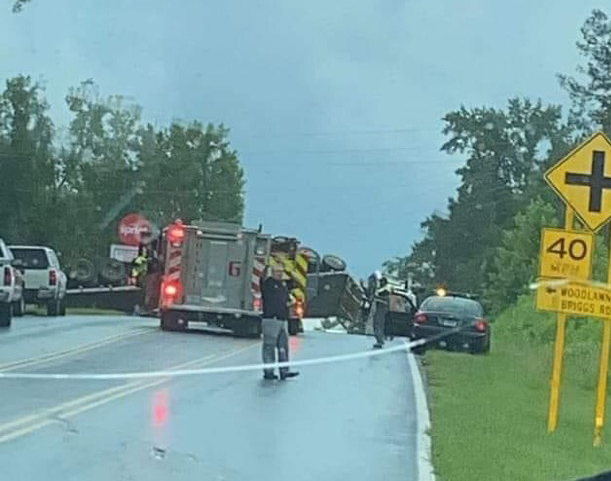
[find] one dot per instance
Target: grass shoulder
(78, 311)
(489, 413)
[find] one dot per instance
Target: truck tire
(248, 329)
(294, 327)
(6, 313)
(84, 272)
(313, 259)
(62, 307)
(19, 307)
(333, 264)
(112, 272)
(53, 308)
(169, 322)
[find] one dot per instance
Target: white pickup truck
(45, 283)
(11, 287)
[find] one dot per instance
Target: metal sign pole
(603, 369)
(552, 418)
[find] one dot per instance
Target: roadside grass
(92, 311)
(77, 311)
(489, 413)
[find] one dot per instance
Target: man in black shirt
(276, 304)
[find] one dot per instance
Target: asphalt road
(351, 420)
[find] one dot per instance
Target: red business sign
(133, 229)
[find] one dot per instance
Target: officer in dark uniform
(276, 302)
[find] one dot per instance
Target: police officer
(276, 302)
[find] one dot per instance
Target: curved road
(352, 420)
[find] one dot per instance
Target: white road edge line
(423, 424)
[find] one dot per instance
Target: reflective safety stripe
(257, 274)
(295, 270)
(301, 266)
(174, 263)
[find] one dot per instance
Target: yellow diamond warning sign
(574, 298)
(583, 180)
(565, 254)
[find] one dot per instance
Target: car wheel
(6, 313)
(483, 348)
(19, 307)
(62, 307)
(53, 307)
(486, 348)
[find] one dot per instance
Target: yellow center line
(28, 424)
(44, 413)
(53, 356)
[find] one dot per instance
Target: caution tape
(224, 369)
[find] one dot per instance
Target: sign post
(601, 391)
(552, 417)
(603, 369)
(583, 181)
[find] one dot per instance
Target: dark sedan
(440, 314)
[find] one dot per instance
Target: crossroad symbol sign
(565, 254)
(583, 180)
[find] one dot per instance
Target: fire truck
(211, 274)
(285, 251)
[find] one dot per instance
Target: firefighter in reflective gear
(139, 267)
(380, 310)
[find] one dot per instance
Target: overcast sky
(334, 106)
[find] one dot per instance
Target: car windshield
(452, 305)
(32, 258)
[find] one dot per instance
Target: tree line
(69, 187)
(488, 242)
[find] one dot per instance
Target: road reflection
(160, 408)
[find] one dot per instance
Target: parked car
(11, 287)
(451, 311)
(45, 282)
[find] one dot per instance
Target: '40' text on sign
(565, 254)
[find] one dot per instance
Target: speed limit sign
(565, 254)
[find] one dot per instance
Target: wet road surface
(351, 420)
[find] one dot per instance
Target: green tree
(506, 151)
(19, 4)
(515, 261)
(100, 165)
(190, 172)
(28, 188)
(591, 95)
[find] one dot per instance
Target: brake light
(257, 304)
(480, 325)
(176, 233)
(8, 276)
(170, 290)
(299, 310)
(420, 318)
(52, 278)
